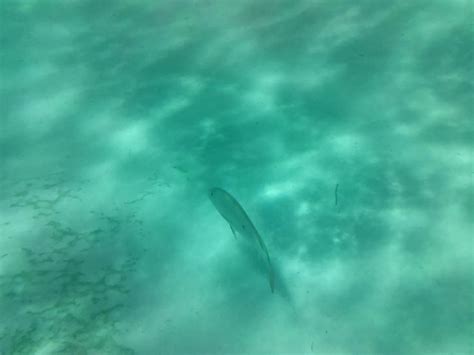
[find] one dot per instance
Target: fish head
(214, 193)
(211, 192)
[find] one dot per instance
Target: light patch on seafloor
(208, 127)
(269, 81)
(404, 217)
(405, 129)
(332, 276)
(347, 144)
(307, 279)
(292, 178)
(454, 234)
(303, 209)
(320, 74)
(429, 23)
(101, 171)
(439, 111)
(262, 96)
(243, 47)
(41, 112)
(192, 85)
(337, 31)
(395, 267)
(105, 119)
(169, 108)
(20, 225)
(456, 157)
(132, 138)
(298, 267)
(275, 190)
(34, 76)
(264, 20)
(176, 38)
(214, 231)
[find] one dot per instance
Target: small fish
(239, 222)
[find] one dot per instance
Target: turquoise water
(343, 129)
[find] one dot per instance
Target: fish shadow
(252, 256)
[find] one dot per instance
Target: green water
(343, 128)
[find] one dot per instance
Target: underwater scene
(236, 177)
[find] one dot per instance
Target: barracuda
(240, 223)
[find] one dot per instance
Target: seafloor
(343, 128)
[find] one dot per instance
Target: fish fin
(233, 231)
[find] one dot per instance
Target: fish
(231, 210)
